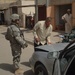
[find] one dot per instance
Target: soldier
(17, 41)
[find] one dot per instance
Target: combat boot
(19, 71)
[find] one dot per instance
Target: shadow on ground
(3, 33)
(26, 64)
(7, 67)
(29, 72)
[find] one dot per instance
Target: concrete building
(55, 9)
(7, 1)
(4, 10)
(21, 7)
(27, 9)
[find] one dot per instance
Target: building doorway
(60, 11)
(41, 12)
(2, 19)
(30, 21)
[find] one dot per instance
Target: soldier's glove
(25, 45)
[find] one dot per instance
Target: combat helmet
(15, 17)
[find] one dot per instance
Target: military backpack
(9, 33)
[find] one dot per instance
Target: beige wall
(50, 13)
(27, 10)
(7, 1)
(41, 2)
(73, 13)
(59, 2)
(7, 16)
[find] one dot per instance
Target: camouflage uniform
(17, 42)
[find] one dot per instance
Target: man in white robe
(68, 21)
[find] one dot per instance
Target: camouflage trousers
(16, 53)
